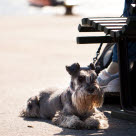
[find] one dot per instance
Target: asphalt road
(34, 51)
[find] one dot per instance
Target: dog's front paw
(96, 123)
(103, 124)
(92, 123)
(57, 118)
(69, 121)
(72, 122)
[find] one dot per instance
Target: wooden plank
(84, 21)
(102, 26)
(108, 29)
(86, 29)
(113, 33)
(96, 23)
(90, 20)
(94, 39)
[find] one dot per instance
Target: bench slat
(96, 23)
(102, 26)
(94, 39)
(90, 20)
(86, 29)
(108, 29)
(85, 20)
(113, 33)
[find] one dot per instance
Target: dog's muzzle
(92, 88)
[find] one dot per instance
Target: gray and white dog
(75, 107)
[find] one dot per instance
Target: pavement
(34, 51)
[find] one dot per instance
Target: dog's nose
(90, 89)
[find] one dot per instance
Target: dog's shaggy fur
(75, 107)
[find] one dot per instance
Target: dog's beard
(85, 102)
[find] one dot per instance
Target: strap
(97, 53)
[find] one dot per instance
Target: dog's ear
(73, 69)
(37, 100)
(96, 68)
(34, 99)
(91, 66)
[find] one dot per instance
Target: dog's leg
(97, 121)
(67, 121)
(102, 119)
(91, 123)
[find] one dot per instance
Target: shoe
(112, 86)
(108, 82)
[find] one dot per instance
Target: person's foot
(108, 82)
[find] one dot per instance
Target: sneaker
(108, 82)
(112, 86)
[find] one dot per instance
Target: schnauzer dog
(75, 107)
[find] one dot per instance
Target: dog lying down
(75, 107)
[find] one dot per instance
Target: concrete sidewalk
(34, 51)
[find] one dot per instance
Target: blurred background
(83, 7)
(38, 38)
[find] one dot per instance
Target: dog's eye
(81, 79)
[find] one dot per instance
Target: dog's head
(32, 108)
(86, 93)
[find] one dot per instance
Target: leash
(97, 54)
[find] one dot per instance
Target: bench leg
(126, 95)
(127, 84)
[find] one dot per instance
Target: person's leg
(108, 79)
(113, 67)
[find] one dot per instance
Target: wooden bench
(118, 30)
